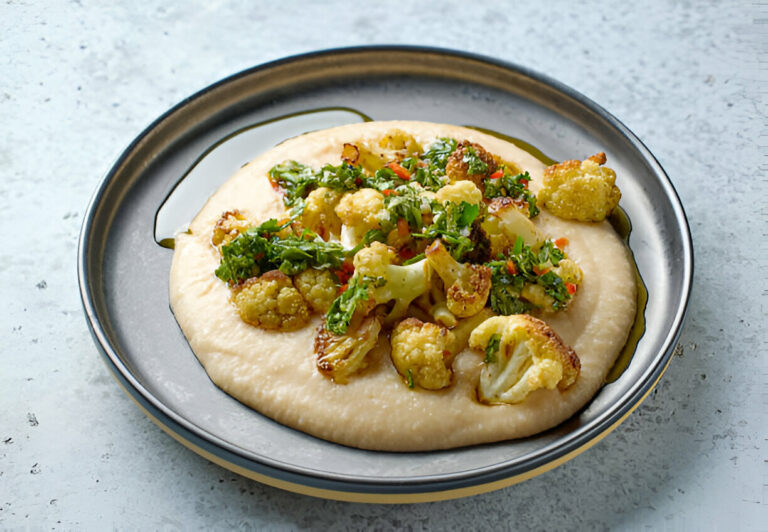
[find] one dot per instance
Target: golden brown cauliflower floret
(466, 285)
(399, 284)
(422, 353)
(580, 190)
(522, 354)
(341, 356)
(319, 215)
(229, 227)
(395, 145)
(362, 211)
(470, 161)
(318, 287)
(271, 302)
(460, 191)
(505, 222)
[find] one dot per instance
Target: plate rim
(576, 442)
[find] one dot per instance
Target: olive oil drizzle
(623, 226)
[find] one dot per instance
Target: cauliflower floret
(229, 227)
(522, 354)
(271, 302)
(319, 215)
(470, 161)
(341, 356)
(460, 191)
(435, 305)
(395, 145)
(422, 353)
(318, 287)
(466, 285)
(362, 211)
(401, 284)
(505, 222)
(580, 190)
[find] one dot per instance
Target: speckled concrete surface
(80, 79)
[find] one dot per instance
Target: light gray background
(79, 80)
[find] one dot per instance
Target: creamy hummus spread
(276, 372)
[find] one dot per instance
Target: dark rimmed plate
(123, 273)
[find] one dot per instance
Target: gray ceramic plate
(123, 272)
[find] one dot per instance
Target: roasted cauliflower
(470, 161)
(318, 288)
(466, 285)
(271, 302)
(319, 215)
(504, 223)
(362, 211)
(341, 356)
(422, 353)
(460, 191)
(228, 227)
(390, 281)
(522, 354)
(395, 145)
(580, 190)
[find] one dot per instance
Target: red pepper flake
(561, 242)
(446, 353)
(358, 181)
(571, 288)
(511, 268)
(399, 171)
(497, 174)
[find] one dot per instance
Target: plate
(166, 174)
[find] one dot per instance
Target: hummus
(276, 373)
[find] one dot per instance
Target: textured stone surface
(79, 80)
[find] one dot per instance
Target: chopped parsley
(510, 274)
(343, 307)
(492, 349)
(452, 224)
(515, 187)
(409, 376)
(260, 249)
(475, 164)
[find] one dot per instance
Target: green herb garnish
(492, 349)
(515, 187)
(475, 164)
(452, 223)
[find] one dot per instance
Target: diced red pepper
(539, 271)
(561, 242)
(358, 181)
(389, 192)
(399, 171)
(496, 175)
(402, 227)
(511, 267)
(571, 288)
(343, 288)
